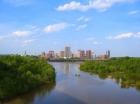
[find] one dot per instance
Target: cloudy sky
(42, 25)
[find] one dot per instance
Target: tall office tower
(81, 54)
(89, 54)
(108, 53)
(67, 53)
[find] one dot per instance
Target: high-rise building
(89, 54)
(67, 53)
(81, 54)
(51, 54)
(62, 54)
(108, 53)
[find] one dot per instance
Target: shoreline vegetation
(125, 70)
(20, 74)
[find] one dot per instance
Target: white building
(67, 52)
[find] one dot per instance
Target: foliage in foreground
(19, 74)
(125, 70)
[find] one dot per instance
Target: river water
(76, 87)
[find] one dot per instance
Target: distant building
(102, 57)
(62, 54)
(51, 54)
(57, 55)
(89, 54)
(81, 54)
(67, 53)
(108, 53)
(43, 55)
(75, 55)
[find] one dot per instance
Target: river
(76, 87)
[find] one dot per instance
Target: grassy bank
(19, 74)
(126, 70)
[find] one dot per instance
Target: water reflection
(124, 80)
(30, 97)
(66, 68)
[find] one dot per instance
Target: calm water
(83, 89)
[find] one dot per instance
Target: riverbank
(20, 74)
(125, 70)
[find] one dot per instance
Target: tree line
(19, 74)
(126, 70)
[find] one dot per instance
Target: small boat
(77, 75)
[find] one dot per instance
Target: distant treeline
(126, 70)
(19, 74)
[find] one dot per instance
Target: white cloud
(137, 35)
(33, 28)
(55, 27)
(80, 27)
(26, 42)
(125, 36)
(22, 33)
(109, 37)
(92, 4)
(82, 18)
(96, 43)
(133, 12)
(90, 39)
(72, 6)
(105, 4)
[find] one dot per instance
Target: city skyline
(68, 53)
(36, 26)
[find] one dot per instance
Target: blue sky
(42, 25)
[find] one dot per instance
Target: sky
(36, 26)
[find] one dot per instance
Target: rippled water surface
(76, 87)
